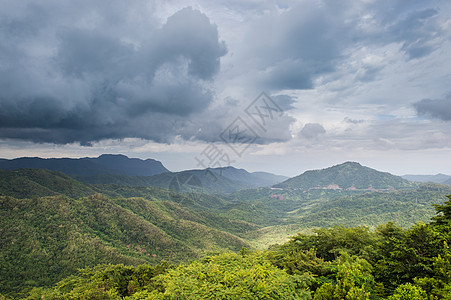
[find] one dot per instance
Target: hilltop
(349, 175)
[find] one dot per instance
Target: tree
(408, 255)
(408, 291)
(330, 242)
(443, 211)
(353, 280)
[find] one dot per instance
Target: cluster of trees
(336, 263)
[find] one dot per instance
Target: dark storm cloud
(285, 102)
(437, 108)
(290, 50)
(417, 32)
(91, 73)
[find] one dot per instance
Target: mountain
(104, 164)
(349, 175)
(438, 178)
(213, 180)
(447, 182)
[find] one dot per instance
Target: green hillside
(403, 207)
(29, 183)
(346, 175)
(55, 225)
(52, 237)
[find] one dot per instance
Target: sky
(277, 86)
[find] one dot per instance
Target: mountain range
(124, 171)
(102, 165)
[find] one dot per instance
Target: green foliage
(443, 213)
(103, 282)
(408, 291)
(232, 276)
(30, 183)
(221, 276)
(353, 280)
(408, 256)
(328, 243)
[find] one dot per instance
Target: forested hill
(104, 164)
(51, 225)
(30, 183)
(348, 175)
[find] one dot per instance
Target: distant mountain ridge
(112, 164)
(349, 175)
(438, 178)
(212, 180)
(121, 170)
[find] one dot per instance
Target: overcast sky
(367, 81)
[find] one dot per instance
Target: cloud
(88, 71)
(216, 121)
(417, 32)
(437, 108)
(99, 74)
(312, 131)
(291, 49)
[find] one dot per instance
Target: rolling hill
(30, 183)
(349, 175)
